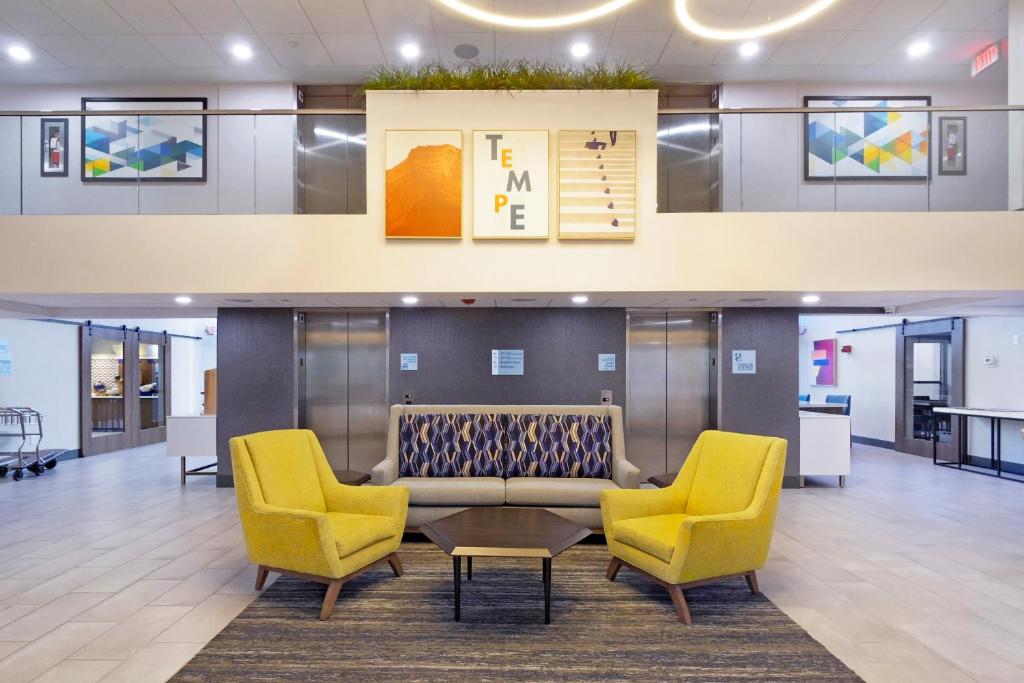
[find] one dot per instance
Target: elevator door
(342, 390)
(671, 378)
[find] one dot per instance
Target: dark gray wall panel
(561, 346)
(255, 376)
(765, 403)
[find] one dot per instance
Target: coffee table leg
(547, 590)
(469, 568)
(457, 562)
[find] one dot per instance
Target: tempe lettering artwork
(867, 145)
(823, 363)
(510, 184)
(423, 184)
(119, 147)
(597, 184)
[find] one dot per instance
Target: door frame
(905, 336)
(144, 437)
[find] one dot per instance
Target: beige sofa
(456, 456)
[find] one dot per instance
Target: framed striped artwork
(597, 184)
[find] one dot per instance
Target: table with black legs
(964, 458)
(503, 532)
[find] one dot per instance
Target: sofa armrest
(386, 501)
(619, 504)
(384, 472)
(625, 473)
(297, 540)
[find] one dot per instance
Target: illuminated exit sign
(985, 59)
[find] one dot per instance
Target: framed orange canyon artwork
(423, 184)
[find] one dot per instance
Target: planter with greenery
(510, 75)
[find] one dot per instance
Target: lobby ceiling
(338, 41)
(204, 305)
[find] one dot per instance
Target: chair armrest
(384, 472)
(625, 473)
(387, 501)
(718, 545)
(298, 540)
(618, 504)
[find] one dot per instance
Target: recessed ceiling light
(19, 53)
(183, 300)
(410, 50)
(241, 51)
(749, 49)
(919, 49)
(580, 299)
(694, 26)
(550, 21)
(410, 300)
(811, 299)
(579, 50)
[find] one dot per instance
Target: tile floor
(110, 571)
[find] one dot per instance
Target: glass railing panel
(331, 164)
(970, 161)
(274, 168)
(10, 165)
(689, 163)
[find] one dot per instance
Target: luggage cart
(25, 426)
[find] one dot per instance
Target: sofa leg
(613, 568)
(751, 578)
(396, 564)
(680, 602)
(333, 588)
(261, 577)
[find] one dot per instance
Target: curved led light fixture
(552, 21)
(694, 26)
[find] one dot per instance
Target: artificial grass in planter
(510, 75)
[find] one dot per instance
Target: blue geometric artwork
(137, 147)
(867, 145)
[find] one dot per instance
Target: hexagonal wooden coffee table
(503, 532)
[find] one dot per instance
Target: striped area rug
(387, 629)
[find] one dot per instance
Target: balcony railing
(908, 158)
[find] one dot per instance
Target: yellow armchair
(715, 520)
(299, 520)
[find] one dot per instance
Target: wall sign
(507, 361)
(6, 363)
(985, 59)
(744, 362)
(409, 362)
(510, 184)
(606, 362)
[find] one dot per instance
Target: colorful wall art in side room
(823, 363)
(597, 184)
(117, 146)
(866, 145)
(510, 184)
(423, 183)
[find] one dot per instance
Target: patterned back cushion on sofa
(558, 445)
(450, 445)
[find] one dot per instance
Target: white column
(1015, 95)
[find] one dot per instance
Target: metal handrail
(669, 110)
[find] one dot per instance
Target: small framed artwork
(54, 145)
(510, 184)
(823, 363)
(952, 145)
(597, 184)
(423, 184)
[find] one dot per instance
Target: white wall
(868, 374)
(1001, 386)
(46, 370)
(763, 162)
(45, 377)
(234, 145)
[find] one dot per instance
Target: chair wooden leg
(261, 577)
(396, 564)
(333, 588)
(680, 602)
(751, 578)
(613, 568)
